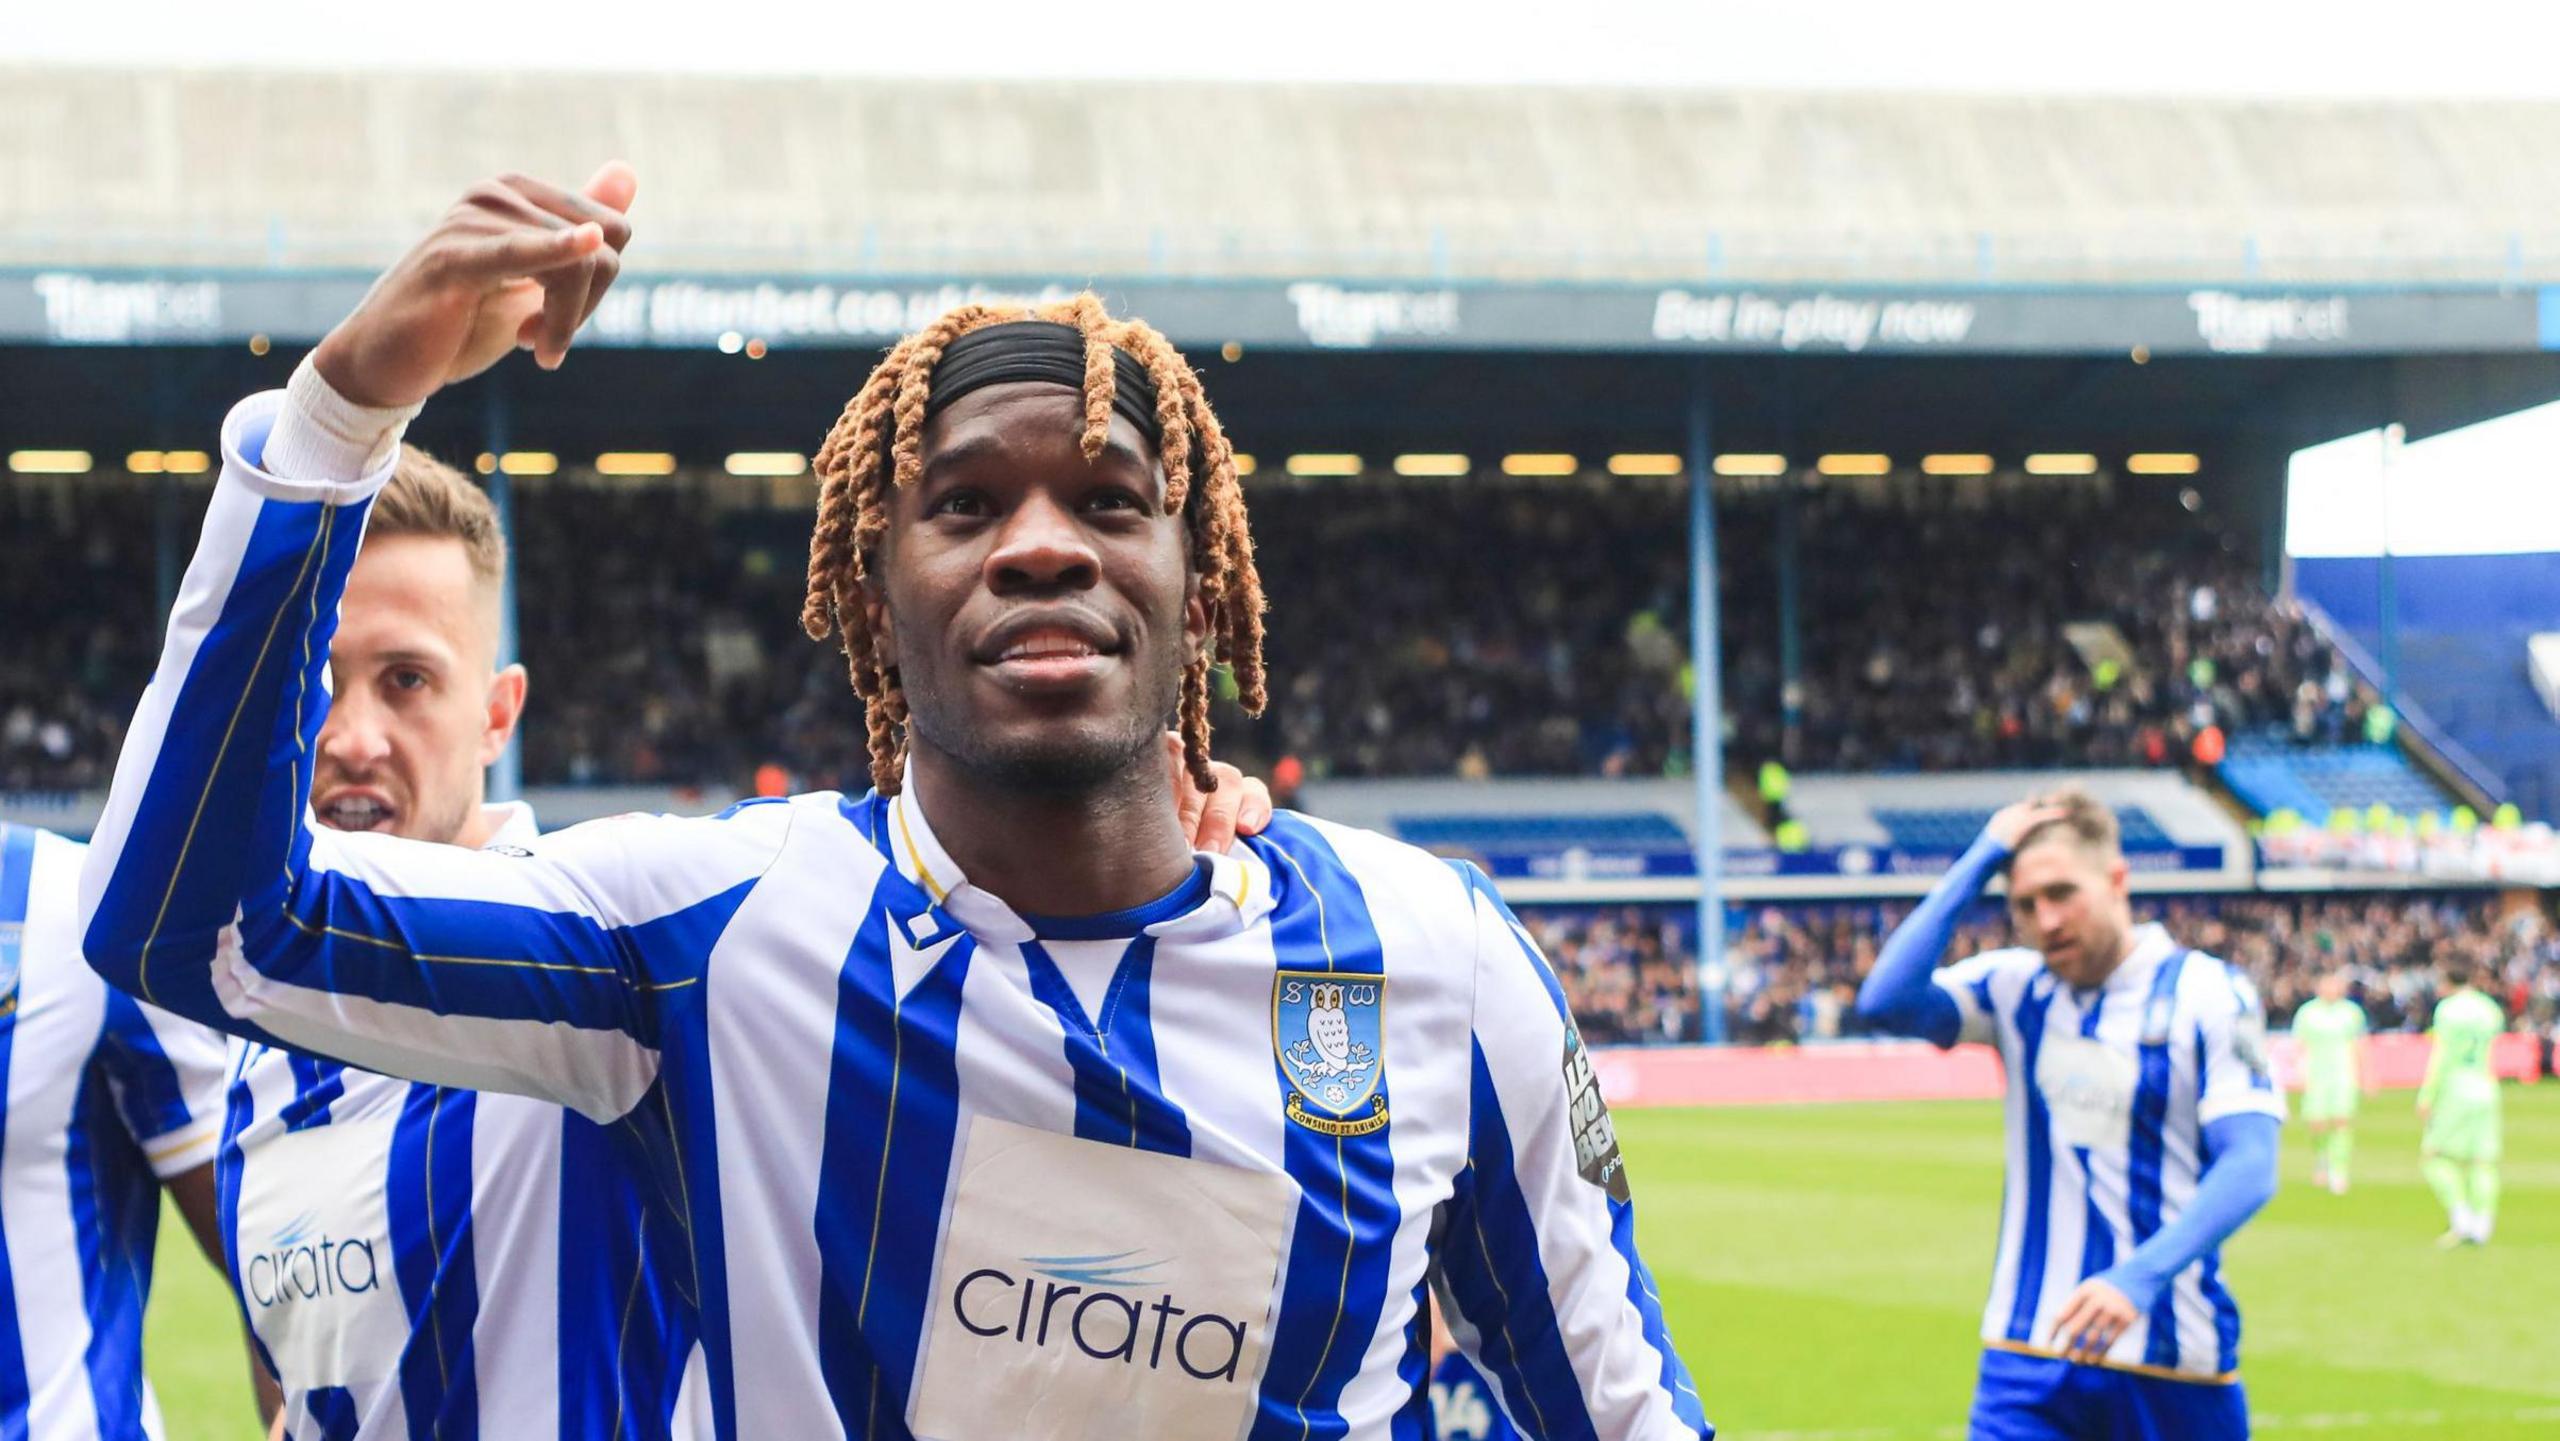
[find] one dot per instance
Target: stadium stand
(2159, 810)
(2461, 648)
(663, 659)
(1624, 823)
(2479, 686)
(673, 655)
(80, 632)
(1921, 830)
(808, 173)
(1793, 970)
(2317, 783)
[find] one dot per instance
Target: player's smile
(1050, 650)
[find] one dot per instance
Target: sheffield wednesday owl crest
(1327, 1030)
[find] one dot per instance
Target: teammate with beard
(952, 1081)
(485, 1264)
(2142, 1132)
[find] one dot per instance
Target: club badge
(1326, 1030)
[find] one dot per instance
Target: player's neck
(482, 824)
(1113, 847)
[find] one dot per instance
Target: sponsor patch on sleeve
(1595, 1137)
(2249, 1042)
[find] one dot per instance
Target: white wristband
(322, 435)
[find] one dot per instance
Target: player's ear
(505, 706)
(2120, 879)
(1195, 615)
(875, 610)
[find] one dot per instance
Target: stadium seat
(2374, 783)
(1613, 831)
(1953, 830)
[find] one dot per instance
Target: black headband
(1041, 350)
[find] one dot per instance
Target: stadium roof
(868, 176)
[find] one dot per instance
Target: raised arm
(208, 890)
(1901, 994)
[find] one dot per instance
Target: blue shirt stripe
(148, 1093)
(115, 1214)
(2226, 1312)
(229, 1165)
(2031, 1244)
(333, 1410)
(1335, 1288)
(2143, 1160)
(605, 1305)
(2098, 1239)
(17, 865)
(223, 726)
(1498, 1282)
(1642, 1294)
(870, 1204)
(1646, 1298)
(317, 1085)
(429, 1201)
(1119, 1100)
(687, 1137)
(1413, 1422)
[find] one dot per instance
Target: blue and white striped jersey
(422, 1262)
(2109, 1095)
(946, 1170)
(100, 1097)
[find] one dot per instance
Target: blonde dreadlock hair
(879, 441)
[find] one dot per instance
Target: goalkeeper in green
(2458, 1103)
(2331, 1030)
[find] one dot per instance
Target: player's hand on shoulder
(1240, 806)
(515, 262)
(2010, 824)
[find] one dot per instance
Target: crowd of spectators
(1630, 973)
(78, 609)
(1486, 626)
(1472, 628)
(1791, 973)
(673, 654)
(1966, 624)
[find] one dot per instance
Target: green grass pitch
(1824, 1268)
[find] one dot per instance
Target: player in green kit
(2459, 1105)
(2331, 1030)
